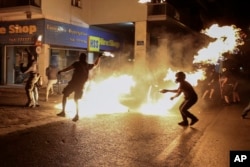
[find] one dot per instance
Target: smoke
(175, 51)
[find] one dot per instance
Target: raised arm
(96, 63)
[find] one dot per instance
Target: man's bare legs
(62, 113)
(77, 111)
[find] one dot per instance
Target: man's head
(82, 57)
(180, 76)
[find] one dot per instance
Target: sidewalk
(14, 116)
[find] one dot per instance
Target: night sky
(229, 11)
(223, 12)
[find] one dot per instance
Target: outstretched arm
(96, 63)
(177, 91)
(66, 69)
(167, 90)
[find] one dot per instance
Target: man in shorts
(76, 84)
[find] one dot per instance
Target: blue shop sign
(21, 32)
(108, 41)
(57, 33)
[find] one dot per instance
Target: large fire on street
(107, 96)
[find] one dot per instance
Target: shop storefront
(53, 43)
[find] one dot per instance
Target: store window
(15, 55)
(76, 3)
(64, 58)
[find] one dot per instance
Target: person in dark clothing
(190, 98)
(236, 95)
(226, 86)
(210, 85)
(76, 84)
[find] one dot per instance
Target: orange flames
(191, 77)
(105, 97)
(226, 39)
(102, 97)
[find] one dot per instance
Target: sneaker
(61, 114)
(32, 106)
(194, 121)
(28, 105)
(75, 118)
(183, 123)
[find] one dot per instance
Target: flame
(108, 54)
(159, 107)
(163, 105)
(102, 97)
(106, 96)
(191, 77)
(226, 39)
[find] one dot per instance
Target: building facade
(53, 39)
(59, 31)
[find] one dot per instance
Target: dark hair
(180, 75)
(82, 57)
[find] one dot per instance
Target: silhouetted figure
(236, 95)
(226, 86)
(76, 84)
(190, 98)
(31, 88)
(210, 85)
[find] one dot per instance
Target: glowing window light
(144, 1)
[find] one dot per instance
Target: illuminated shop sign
(20, 32)
(108, 41)
(18, 29)
(57, 33)
(94, 44)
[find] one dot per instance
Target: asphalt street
(37, 137)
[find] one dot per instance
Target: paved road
(127, 140)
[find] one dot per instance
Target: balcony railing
(160, 11)
(18, 3)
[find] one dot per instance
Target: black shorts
(70, 88)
